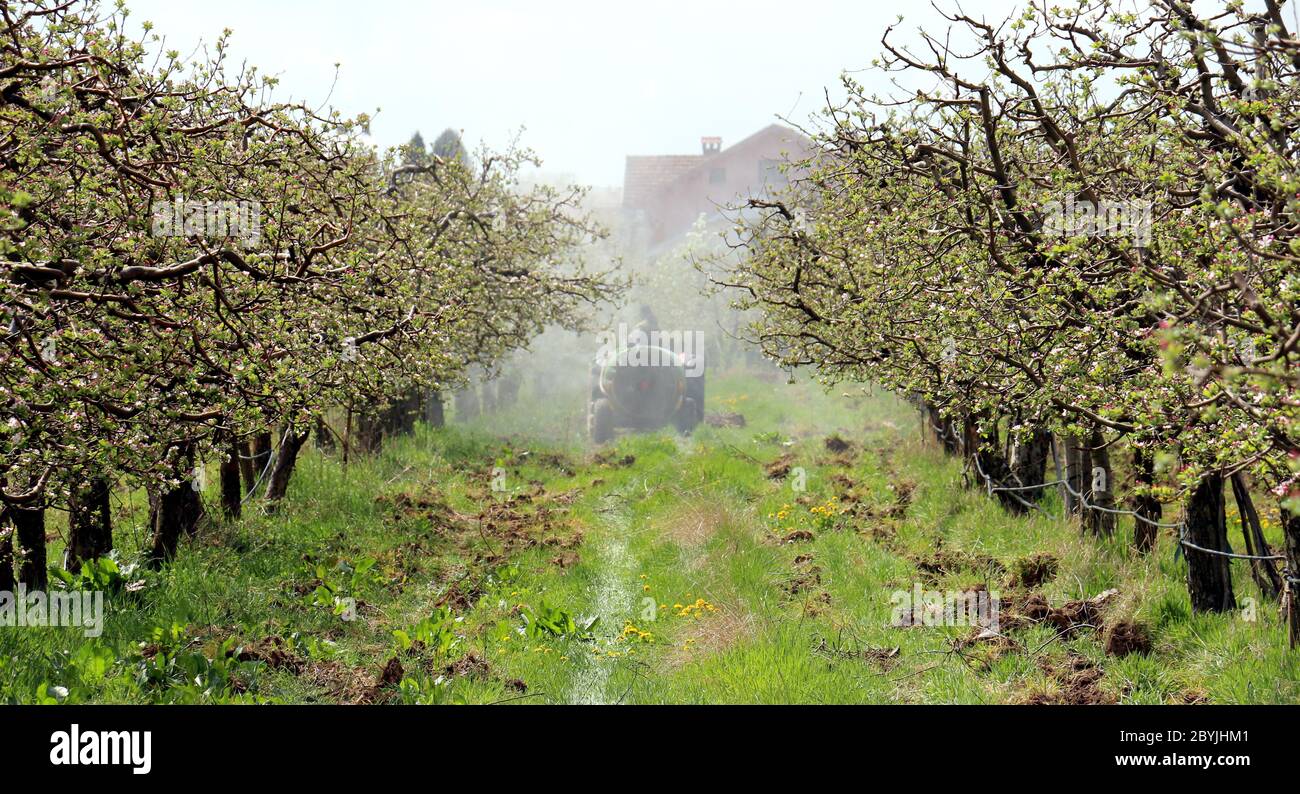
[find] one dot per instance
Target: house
(666, 194)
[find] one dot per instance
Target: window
(717, 176)
(769, 171)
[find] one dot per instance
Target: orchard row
(1078, 229)
(190, 270)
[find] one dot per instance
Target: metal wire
(1181, 526)
(270, 459)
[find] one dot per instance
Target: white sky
(590, 82)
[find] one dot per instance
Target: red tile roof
(646, 175)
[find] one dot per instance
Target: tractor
(644, 388)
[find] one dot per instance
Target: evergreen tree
(415, 152)
(449, 146)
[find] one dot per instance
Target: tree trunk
(1075, 458)
(246, 471)
(1067, 501)
(1029, 462)
(172, 513)
(370, 433)
(930, 422)
(1264, 572)
(285, 460)
(992, 469)
(6, 553)
(403, 412)
(389, 417)
(231, 495)
(261, 455)
(508, 390)
(1145, 505)
(1101, 490)
(1291, 599)
(434, 412)
(348, 439)
(1209, 577)
(29, 526)
(466, 401)
(942, 428)
(90, 523)
(324, 436)
(488, 396)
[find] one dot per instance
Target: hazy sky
(590, 82)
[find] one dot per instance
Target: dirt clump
(817, 604)
(553, 460)
(471, 665)
(837, 445)
(1076, 681)
(948, 561)
(1020, 610)
(1125, 637)
(459, 597)
(565, 560)
(903, 493)
(1033, 571)
(1082, 613)
(961, 606)
(1035, 607)
(779, 468)
(354, 685)
(564, 542)
(803, 581)
(274, 653)
(392, 673)
(610, 459)
(845, 488)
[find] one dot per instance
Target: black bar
(300, 743)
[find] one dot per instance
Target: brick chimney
(711, 145)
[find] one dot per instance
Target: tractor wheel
(601, 422)
(695, 391)
(688, 416)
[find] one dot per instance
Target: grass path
(610, 598)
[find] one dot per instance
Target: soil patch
(722, 419)
(693, 522)
(1076, 681)
(1126, 637)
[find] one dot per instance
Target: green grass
(681, 556)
